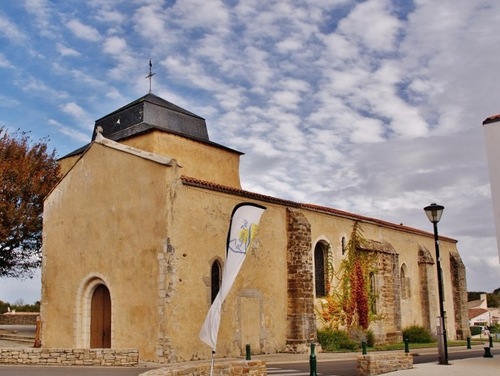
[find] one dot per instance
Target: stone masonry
(425, 269)
(459, 284)
(300, 286)
(376, 364)
(21, 318)
(387, 328)
(69, 357)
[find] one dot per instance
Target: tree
(27, 174)
(492, 300)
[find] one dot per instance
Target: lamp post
(434, 213)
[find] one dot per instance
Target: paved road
(337, 367)
(64, 371)
(348, 367)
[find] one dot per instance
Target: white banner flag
(244, 222)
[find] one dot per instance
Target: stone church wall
(94, 223)
(151, 237)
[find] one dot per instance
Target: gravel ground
(22, 330)
(4, 344)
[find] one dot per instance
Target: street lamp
(434, 213)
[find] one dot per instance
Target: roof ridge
(324, 209)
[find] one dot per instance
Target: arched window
(320, 265)
(405, 282)
(215, 280)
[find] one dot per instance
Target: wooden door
(100, 318)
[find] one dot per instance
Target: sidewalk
(477, 365)
(463, 367)
(17, 336)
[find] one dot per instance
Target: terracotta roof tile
(475, 312)
(317, 208)
(492, 119)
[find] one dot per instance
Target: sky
(374, 107)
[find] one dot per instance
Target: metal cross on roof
(150, 75)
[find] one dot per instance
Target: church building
(135, 240)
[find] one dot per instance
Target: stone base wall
(376, 364)
(70, 357)
(225, 368)
(24, 318)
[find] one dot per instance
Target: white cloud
(73, 109)
(40, 9)
(83, 31)
(4, 62)
(66, 51)
(372, 25)
(115, 46)
(11, 31)
(71, 132)
(36, 87)
(111, 16)
(194, 14)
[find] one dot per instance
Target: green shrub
(358, 335)
(495, 328)
(475, 330)
(335, 340)
(370, 338)
(417, 334)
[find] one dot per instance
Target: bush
(417, 334)
(475, 330)
(358, 335)
(495, 328)
(370, 338)
(335, 340)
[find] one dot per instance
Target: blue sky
(373, 107)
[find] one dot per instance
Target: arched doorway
(100, 318)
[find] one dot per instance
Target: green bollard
(468, 344)
(312, 361)
(487, 353)
(248, 357)
(407, 345)
(363, 347)
(491, 341)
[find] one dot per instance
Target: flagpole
(242, 229)
(212, 364)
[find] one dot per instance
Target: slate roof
(149, 113)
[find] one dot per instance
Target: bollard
(248, 357)
(312, 361)
(468, 343)
(363, 347)
(487, 353)
(491, 341)
(407, 345)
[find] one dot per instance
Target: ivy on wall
(348, 303)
